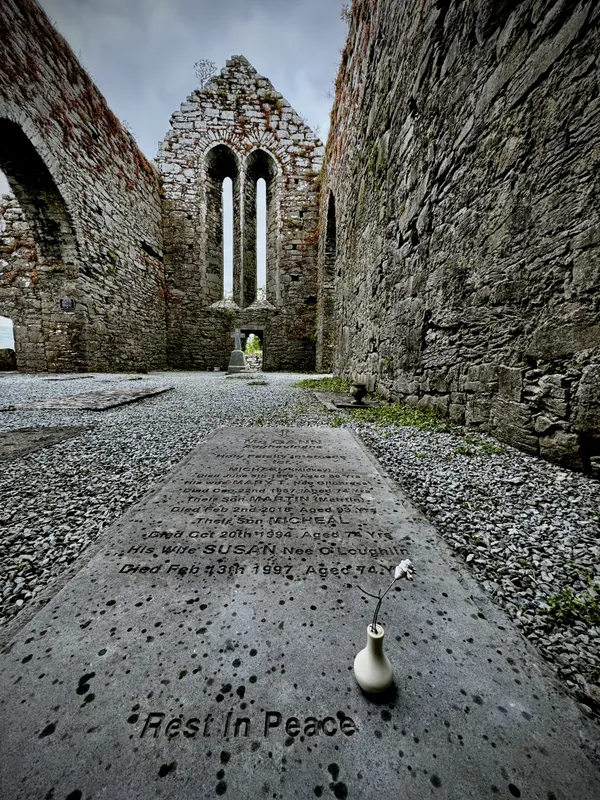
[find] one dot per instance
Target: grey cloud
(141, 53)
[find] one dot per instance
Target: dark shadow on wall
(42, 258)
(37, 194)
(326, 326)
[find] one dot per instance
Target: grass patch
(568, 607)
(475, 447)
(464, 450)
(338, 421)
(397, 414)
(324, 384)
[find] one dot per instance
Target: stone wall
(239, 127)
(92, 212)
(464, 158)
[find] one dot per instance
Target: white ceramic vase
(372, 667)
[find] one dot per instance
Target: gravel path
(526, 529)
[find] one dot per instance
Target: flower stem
(378, 606)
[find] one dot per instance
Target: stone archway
(39, 267)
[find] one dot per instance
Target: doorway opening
(254, 348)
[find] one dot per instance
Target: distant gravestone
(237, 361)
(207, 649)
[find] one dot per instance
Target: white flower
(404, 569)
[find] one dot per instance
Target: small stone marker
(207, 648)
(67, 304)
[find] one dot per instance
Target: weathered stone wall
(19, 276)
(239, 127)
(92, 203)
(464, 159)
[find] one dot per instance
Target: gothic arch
(220, 162)
(260, 164)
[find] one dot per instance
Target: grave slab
(91, 401)
(206, 648)
(18, 443)
(62, 378)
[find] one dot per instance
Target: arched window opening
(261, 239)
(8, 359)
(330, 240)
(227, 200)
(260, 229)
(326, 321)
(222, 225)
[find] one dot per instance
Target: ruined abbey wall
(91, 203)
(239, 127)
(463, 161)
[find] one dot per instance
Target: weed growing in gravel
(397, 414)
(338, 421)
(474, 447)
(464, 450)
(491, 449)
(568, 607)
(324, 384)
(258, 383)
(260, 421)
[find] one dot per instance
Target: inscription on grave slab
(207, 648)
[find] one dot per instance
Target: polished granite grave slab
(206, 648)
(91, 401)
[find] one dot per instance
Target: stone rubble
(525, 528)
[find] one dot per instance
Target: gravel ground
(525, 528)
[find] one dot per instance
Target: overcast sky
(141, 52)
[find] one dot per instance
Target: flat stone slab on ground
(91, 401)
(69, 378)
(207, 649)
(21, 442)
